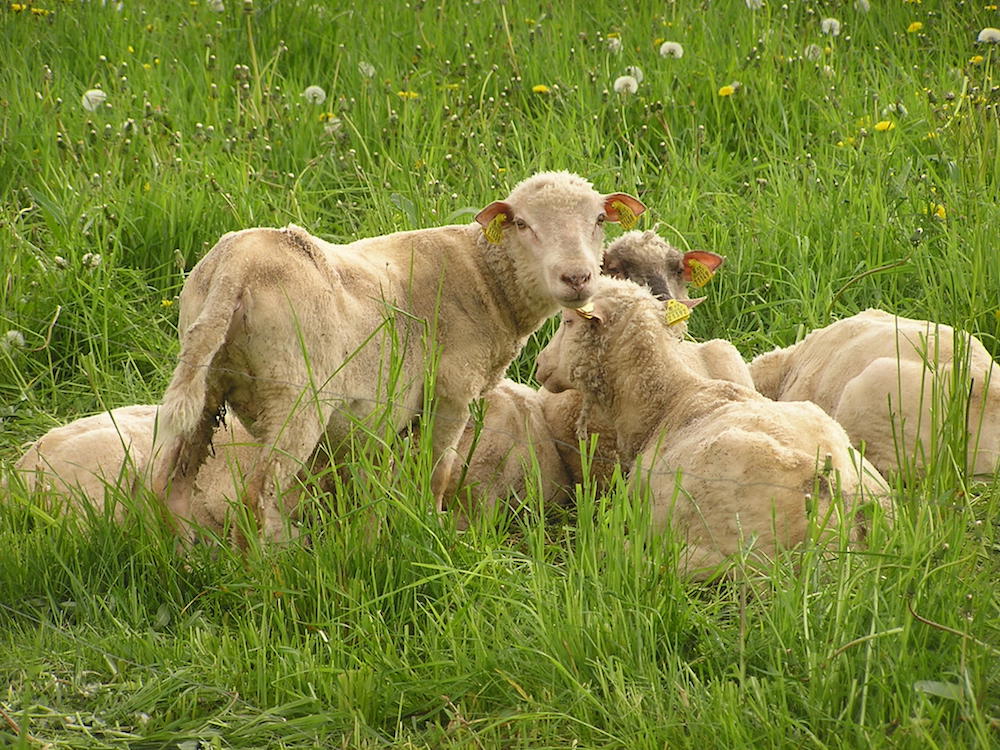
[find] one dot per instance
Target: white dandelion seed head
(813, 52)
(333, 126)
(625, 85)
(755, 4)
(863, 5)
(60, 262)
(92, 99)
(895, 108)
(13, 340)
(830, 26)
(989, 35)
(636, 72)
(671, 49)
(91, 260)
(828, 71)
(366, 69)
(614, 45)
(216, 6)
(314, 94)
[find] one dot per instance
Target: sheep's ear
(623, 208)
(492, 219)
(693, 303)
(700, 266)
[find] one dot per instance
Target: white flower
(614, 45)
(92, 99)
(828, 71)
(989, 35)
(671, 49)
(314, 95)
(863, 5)
(635, 72)
(366, 69)
(626, 85)
(333, 126)
(13, 340)
(217, 6)
(61, 262)
(813, 52)
(830, 26)
(91, 260)
(755, 4)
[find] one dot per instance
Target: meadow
(836, 171)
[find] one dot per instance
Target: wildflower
(897, 108)
(914, 27)
(540, 88)
(939, 212)
(625, 85)
(314, 95)
(863, 5)
(635, 72)
(18, 7)
(989, 35)
(166, 303)
(91, 260)
(755, 4)
(407, 94)
(883, 125)
(813, 52)
(671, 49)
(61, 262)
(976, 59)
(13, 340)
(92, 99)
(828, 71)
(830, 26)
(41, 12)
(366, 69)
(217, 6)
(729, 89)
(614, 44)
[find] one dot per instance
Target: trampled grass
(862, 172)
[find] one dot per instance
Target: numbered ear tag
(586, 312)
(676, 312)
(494, 230)
(700, 273)
(626, 216)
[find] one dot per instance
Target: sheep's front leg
(449, 423)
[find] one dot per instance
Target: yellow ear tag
(626, 216)
(676, 312)
(700, 273)
(493, 230)
(586, 312)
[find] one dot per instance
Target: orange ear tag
(676, 312)
(626, 216)
(586, 312)
(700, 273)
(493, 230)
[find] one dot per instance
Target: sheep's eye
(520, 223)
(601, 219)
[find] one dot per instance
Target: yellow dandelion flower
(41, 12)
(147, 66)
(976, 59)
(166, 303)
(931, 135)
(884, 125)
(131, 49)
(914, 27)
(18, 7)
(540, 88)
(614, 35)
(727, 90)
(452, 86)
(939, 212)
(407, 94)
(658, 41)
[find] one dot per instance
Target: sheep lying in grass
(726, 467)
(522, 427)
(80, 461)
(883, 378)
(303, 339)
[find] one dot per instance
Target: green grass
(390, 630)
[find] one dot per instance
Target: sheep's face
(553, 225)
(555, 366)
(646, 259)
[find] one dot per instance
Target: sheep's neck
(518, 306)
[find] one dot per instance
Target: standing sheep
(877, 374)
(725, 466)
(302, 338)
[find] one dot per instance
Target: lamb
(877, 373)
(80, 461)
(303, 339)
(522, 426)
(726, 467)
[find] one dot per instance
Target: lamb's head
(553, 225)
(608, 335)
(649, 260)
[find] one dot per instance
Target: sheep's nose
(575, 280)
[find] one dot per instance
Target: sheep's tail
(188, 403)
(768, 371)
